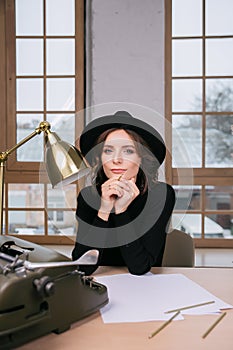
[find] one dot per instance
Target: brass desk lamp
(64, 163)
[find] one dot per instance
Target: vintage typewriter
(42, 291)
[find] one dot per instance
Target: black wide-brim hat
(121, 120)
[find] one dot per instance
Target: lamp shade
(64, 163)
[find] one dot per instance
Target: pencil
(163, 325)
(190, 307)
(214, 325)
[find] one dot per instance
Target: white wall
(125, 56)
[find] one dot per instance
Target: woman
(126, 211)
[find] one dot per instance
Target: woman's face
(119, 156)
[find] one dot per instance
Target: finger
(123, 185)
(130, 184)
(133, 179)
(133, 188)
(115, 190)
(107, 184)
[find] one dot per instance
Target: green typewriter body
(37, 301)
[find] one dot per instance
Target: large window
(43, 59)
(199, 102)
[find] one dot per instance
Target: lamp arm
(43, 126)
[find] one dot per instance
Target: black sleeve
(78, 251)
(88, 220)
(147, 251)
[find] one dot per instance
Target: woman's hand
(110, 191)
(117, 194)
(130, 192)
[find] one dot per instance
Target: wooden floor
(203, 257)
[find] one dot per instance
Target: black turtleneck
(135, 238)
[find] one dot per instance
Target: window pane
(70, 192)
(186, 153)
(219, 17)
(219, 141)
(29, 94)
(64, 126)
(219, 56)
(29, 17)
(219, 95)
(219, 198)
(55, 198)
(61, 223)
(62, 198)
(186, 57)
(186, 95)
(218, 226)
(188, 197)
(60, 17)
(61, 94)
(29, 57)
(60, 56)
(32, 151)
(25, 222)
(25, 196)
(189, 223)
(186, 17)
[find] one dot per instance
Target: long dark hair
(148, 171)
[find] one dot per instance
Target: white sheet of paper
(148, 297)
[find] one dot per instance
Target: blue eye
(107, 151)
(129, 151)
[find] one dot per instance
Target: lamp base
(35, 303)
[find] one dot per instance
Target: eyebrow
(125, 146)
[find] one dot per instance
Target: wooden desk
(92, 334)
